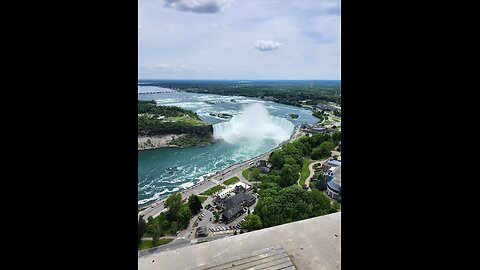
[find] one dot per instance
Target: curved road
(312, 172)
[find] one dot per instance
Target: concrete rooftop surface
(310, 244)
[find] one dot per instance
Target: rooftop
(231, 188)
(310, 244)
(334, 162)
(337, 176)
(273, 258)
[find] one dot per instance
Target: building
(233, 206)
(231, 190)
(313, 129)
(263, 166)
(264, 169)
(334, 182)
(270, 98)
(335, 163)
(323, 107)
(262, 163)
(232, 213)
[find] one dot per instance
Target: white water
(253, 124)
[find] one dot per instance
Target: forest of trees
(281, 199)
(176, 218)
(150, 107)
(149, 124)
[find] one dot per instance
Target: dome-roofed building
(334, 182)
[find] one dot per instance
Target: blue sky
(239, 39)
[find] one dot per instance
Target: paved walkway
(312, 172)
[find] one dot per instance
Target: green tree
(173, 203)
(154, 229)
(184, 216)
(288, 175)
(252, 222)
(174, 227)
(255, 187)
(276, 159)
(336, 137)
(156, 233)
(321, 182)
(142, 228)
(326, 148)
(217, 216)
(194, 204)
(316, 153)
(255, 174)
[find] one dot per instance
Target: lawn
(231, 180)
(212, 190)
(186, 119)
(246, 173)
(203, 198)
(144, 244)
(304, 172)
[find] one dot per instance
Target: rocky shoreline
(157, 141)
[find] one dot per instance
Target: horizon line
(243, 79)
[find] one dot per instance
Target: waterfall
(254, 123)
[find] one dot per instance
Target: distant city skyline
(239, 40)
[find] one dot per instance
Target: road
(312, 172)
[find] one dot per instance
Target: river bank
(157, 141)
(173, 140)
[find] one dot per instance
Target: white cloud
(267, 45)
(197, 6)
(211, 46)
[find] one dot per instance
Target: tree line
(287, 92)
(151, 107)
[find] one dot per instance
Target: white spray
(254, 124)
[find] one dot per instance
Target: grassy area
(212, 190)
(337, 206)
(144, 244)
(246, 173)
(231, 180)
(203, 198)
(304, 172)
(186, 119)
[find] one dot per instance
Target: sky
(239, 39)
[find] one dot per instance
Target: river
(196, 162)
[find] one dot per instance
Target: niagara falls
(256, 127)
(253, 124)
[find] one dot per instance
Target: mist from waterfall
(253, 124)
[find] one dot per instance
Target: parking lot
(217, 229)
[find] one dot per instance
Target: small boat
(171, 169)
